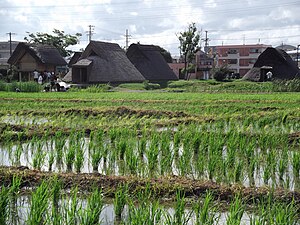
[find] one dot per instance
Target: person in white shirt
(36, 75)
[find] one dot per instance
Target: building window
(254, 50)
(232, 51)
(232, 61)
(252, 61)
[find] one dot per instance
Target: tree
(166, 54)
(189, 45)
(60, 40)
(221, 73)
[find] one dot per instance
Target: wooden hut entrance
(263, 72)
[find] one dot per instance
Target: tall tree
(189, 45)
(59, 39)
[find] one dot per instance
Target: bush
(150, 86)
(221, 73)
(180, 84)
(21, 86)
(133, 86)
(287, 85)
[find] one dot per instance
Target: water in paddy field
(19, 212)
(23, 120)
(38, 154)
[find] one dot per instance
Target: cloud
(154, 21)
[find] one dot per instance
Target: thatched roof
(108, 63)
(75, 57)
(44, 54)
(278, 61)
(150, 62)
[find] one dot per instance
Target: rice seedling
(72, 208)
(238, 172)
(39, 205)
(69, 157)
(4, 203)
(39, 157)
(91, 214)
(96, 158)
(236, 211)
(56, 188)
(205, 212)
(51, 157)
(296, 163)
(179, 216)
(120, 200)
(144, 213)
(79, 159)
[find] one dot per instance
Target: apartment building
(239, 58)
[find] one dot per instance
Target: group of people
(44, 77)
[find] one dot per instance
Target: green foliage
(132, 86)
(166, 54)
(150, 86)
(59, 39)
(189, 44)
(287, 85)
(96, 88)
(221, 73)
(21, 86)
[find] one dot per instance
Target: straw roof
(107, 62)
(44, 54)
(278, 61)
(150, 62)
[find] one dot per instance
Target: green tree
(59, 39)
(189, 45)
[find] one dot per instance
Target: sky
(157, 22)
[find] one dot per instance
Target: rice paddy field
(149, 158)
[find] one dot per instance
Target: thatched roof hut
(103, 62)
(275, 60)
(150, 62)
(28, 57)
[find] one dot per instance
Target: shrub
(21, 86)
(150, 86)
(287, 85)
(221, 73)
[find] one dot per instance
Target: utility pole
(127, 37)
(91, 32)
(206, 40)
(298, 46)
(10, 46)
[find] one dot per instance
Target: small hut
(276, 61)
(150, 62)
(103, 62)
(29, 57)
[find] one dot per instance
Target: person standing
(36, 75)
(40, 79)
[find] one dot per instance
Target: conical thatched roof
(150, 62)
(107, 62)
(44, 54)
(276, 60)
